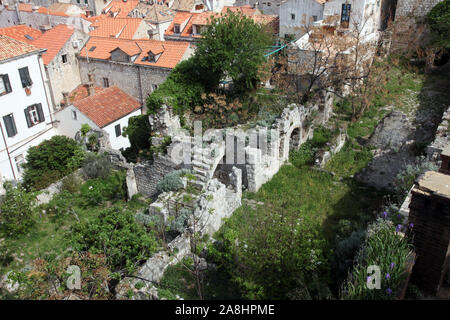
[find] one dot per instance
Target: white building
(24, 103)
(105, 109)
(295, 14)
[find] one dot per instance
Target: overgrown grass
(53, 221)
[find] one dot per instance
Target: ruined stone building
(135, 66)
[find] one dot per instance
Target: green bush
(172, 181)
(439, 21)
(179, 223)
(115, 234)
(97, 191)
(321, 137)
(96, 166)
(138, 132)
(51, 160)
(16, 210)
(388, 250)
(71, 183)
(303, 156)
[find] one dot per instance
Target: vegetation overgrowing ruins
(308, 232)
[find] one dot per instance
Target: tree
(439, 21)
(115, 234)
(232, 46)
(138, 133)
(51, 160)
(16, 210)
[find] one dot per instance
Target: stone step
(201, 172)
(201, 164)
(200, 178)
(197, 184)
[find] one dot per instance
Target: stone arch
(295, 138)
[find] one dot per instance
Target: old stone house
(158, 17)
(62, 43)
(187, 26)
(106, 110)
(43, 18)
(136, 66)
(295, 14)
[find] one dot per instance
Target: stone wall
(430, 215)
(148, 174)
(216, 203)
(417, 8)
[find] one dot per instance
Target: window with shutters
(74, 115)
(5, 86)
(118, 130)
(25, 77)
(34, 115)
(10, 125)
(106, 82)
(176, 28)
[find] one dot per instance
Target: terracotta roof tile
(21, 33)
(180, 18)
(53, 40)
(172, 51)
(10, 48)
(247, 10)
(107, 106)
(123, 28)
(80, 93)
(121, 8)
(204, 18)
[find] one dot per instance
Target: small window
(345, 15)
(106, 82)
(64, 58)
(5, 86)
(118, 130)
(10, 125)
(292, 16)
(78, 1)
(74, 115)
(34, 115)
(154, 87)
(25, 77)
(176, 28)
(314, 18)
(86, 1)
(20, 160)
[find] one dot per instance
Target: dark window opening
(10, 125)
(106, 82)
(5, 85)
(25, 77)
(64, 58)
(292, 16)
(118, 130)
(345, 16)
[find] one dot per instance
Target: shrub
(303, 156)
(388, 250)
(405, 179)
(138, 132)
(180, 222)
(71, 183)
(97, 191)
(85, 128)
(321, 137)
(96, 166)
(16, 210)
(171, 181)
(439, 21)
(115, 234)
(51, 160)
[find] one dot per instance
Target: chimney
(66, 98)
(91, 88)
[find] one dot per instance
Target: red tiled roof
(204, 18)
(27, 7)
(20, 32)
(53, 40)
(182, 16)
(122, 8)
(80, 93)
(107, 106)
(247, 10)
(111, 27)
(10, 48)
(172, 51)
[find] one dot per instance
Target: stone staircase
(204, 163)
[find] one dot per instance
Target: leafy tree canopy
(439, 21)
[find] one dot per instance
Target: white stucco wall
(68, 126)
(120, 141)
(303, 10)
(15, 103)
